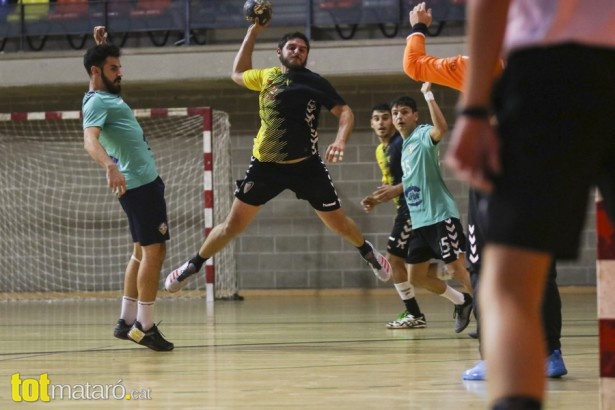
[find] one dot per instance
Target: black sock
(517, 403)
(198, 261)
(413, 307)
(364, 249)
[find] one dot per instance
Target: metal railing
(31, 22)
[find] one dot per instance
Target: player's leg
(552, 319)
(463, 310)
(312, 182)
(423, 246)
(257, 188)
(337, 221)
(447, 242)
(144, 331)
(512, 285)
(397, 250)
(238, 219)
(459, 272)
(128, 313)
(147, 215)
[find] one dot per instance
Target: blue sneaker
(555, 365)
(478, 372)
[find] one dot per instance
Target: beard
(112, 88)
(291, 66)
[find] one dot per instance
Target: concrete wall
(287, 246)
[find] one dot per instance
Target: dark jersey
(289, 109)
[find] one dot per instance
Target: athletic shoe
(379, 264)
(121, 330)
(462, 313)
(555, 365)
(406, 321)
(177, 279)
(478, 372)
(151, 338)
(474, 334)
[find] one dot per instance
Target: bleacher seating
(159, 18)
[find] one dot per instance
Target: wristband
(478, 112)
(419, 28)
(429, 96)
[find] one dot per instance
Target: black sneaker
(121, 330)
(462, 313)
(152, 338)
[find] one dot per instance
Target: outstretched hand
(100, 35)
(420, 14)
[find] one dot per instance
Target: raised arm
(474, 150)
(422, 67)
(243, 59)
(440, 127)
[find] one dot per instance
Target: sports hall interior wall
(287, 247)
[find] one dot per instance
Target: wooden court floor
(270, 351)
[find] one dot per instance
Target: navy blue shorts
(147, 213)
(444, 241)
(308, 179)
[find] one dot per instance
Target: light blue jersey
(121, 136)
(427, 196)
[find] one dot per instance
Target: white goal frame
(206, 113)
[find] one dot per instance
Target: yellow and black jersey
(389, 162)
(289, 109)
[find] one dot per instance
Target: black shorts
(443, 241)
(477, 213)
(400, 235)
(557, 142)
(147, 213)
(308, 179)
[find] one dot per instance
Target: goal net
(63, 232)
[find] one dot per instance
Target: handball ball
(260, 10)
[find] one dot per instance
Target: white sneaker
(379, 264)
(406, 321)
(177, 278)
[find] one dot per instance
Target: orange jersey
(449, 71)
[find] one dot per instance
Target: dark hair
(97, 55)
(381, 107)
(404, 102)
(290, 36)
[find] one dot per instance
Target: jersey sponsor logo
(413, 196)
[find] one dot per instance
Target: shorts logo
(329, 204)
(163, 228)
(247, 186)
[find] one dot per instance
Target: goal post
(63, 232)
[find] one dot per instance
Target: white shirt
(548, 22)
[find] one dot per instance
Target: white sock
(405, 290)
(129, 310)
(454, 296)
(145, 315)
